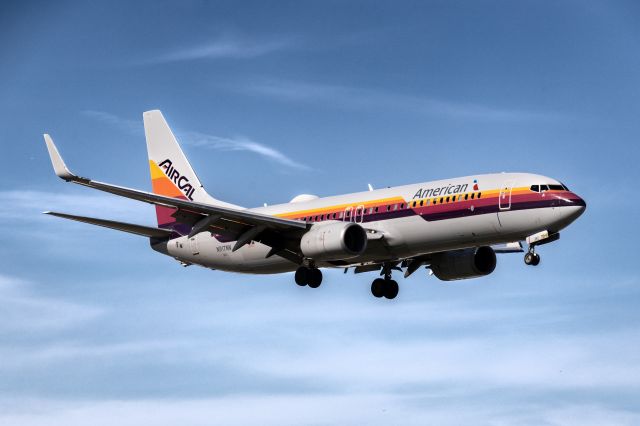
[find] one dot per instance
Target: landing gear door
(504, 200)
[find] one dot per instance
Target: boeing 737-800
(453, 227)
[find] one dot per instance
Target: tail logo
(475, 184)
(180, 180)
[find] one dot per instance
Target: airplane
(452, 227)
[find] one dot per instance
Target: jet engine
(334, 241)
(463, 264)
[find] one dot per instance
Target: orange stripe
(163, 186)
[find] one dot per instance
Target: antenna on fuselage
(370, 187)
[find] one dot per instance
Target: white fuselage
(410, 220)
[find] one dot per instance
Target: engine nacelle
(334, 241)
(463, 264)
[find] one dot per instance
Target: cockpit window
(535, 188)
(544, 188)
(556, 187)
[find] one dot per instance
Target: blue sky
(271, 100)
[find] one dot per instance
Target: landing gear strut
(385, 287)
(532, 258)
(308, 276)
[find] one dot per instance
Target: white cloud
(129, 126)
(204, 140)
(360, 98)
(309, 409)
(27, 206)
(225, 47)
(241, 144)
(22, 310)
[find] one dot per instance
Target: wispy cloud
(27, 206)
(295, 409)
(366, 98)
(224, 47)
(24, 311)
(204, 140)
(126, 125)
(241, 144)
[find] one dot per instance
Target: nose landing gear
(532, 258)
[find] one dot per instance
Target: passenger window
(447, 199)
(376, 210)
(435, 201)
(414, 204)
(441, 200)
(401, 206)
(388, 207)
(466, 197)
(334, 215)
(472, 196)
(428, 202)
(421, 203)
(479, 194)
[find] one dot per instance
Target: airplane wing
(240, 216)
(237, 225)
(145, 231)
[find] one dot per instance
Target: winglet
(58, 163)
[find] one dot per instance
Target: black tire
(536, 260)
(377, 287)
(528, 258)
(301, 276)
(391, 289)
(314, 277)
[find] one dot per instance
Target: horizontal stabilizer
(145, 231)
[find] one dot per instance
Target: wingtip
(59, 167)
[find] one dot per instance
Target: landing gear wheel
(301, 276)
(536, 259)
(378, 287)
(314, 277)
(528, 258)
(391, 289)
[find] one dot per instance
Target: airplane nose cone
(582, 205)
(577, 207)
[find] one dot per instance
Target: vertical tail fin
(171, 173)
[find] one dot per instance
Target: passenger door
(504, 200)
(359, 216)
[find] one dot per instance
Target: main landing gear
(532, 258)
(385, 286)
(308, 276)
